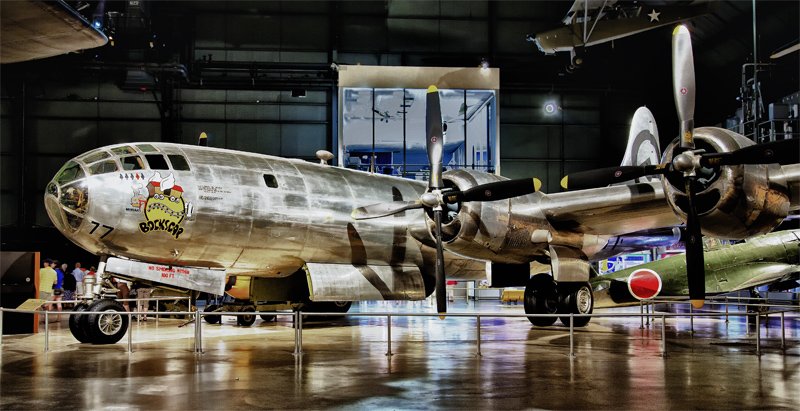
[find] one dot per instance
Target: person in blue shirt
(58, 289)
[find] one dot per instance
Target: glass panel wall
(383, 130)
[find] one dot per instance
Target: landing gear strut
(544, 296)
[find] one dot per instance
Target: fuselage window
(156, 161)
(132, 163)
(178, 162)
(147, 148)
(271, 181)
(123, 150)
(70, 172)
(108, 166)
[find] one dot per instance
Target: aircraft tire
(575, 299)
(267, 317)
(246, 320)
(212, 319)
(108, 325)
(78, 331)
(541, 297)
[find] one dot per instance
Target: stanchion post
(296, 346)
(726, 309)
(157, 316)
(783, 333)
(758, 334)
(641, 314)
(130, 333)
(691, 318)
(46, 331)
(300, 332)
(664, 336)
(647, 313)
(2, 313)
(571, 335)
(479, 335)
(389, 335)
(199, 328)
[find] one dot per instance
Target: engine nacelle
(735, 202)
(490, 230)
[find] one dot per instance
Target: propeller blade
(203, 140)
(384, 209)
(610, 175)
(434, 135)
(780, 151)
(499, 190)
(683, 83)
(441, 284)
(695, 266)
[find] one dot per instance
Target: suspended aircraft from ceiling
(592, 22)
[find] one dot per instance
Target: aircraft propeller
(436, 197)
(688, 161)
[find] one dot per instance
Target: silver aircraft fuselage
(247, 213)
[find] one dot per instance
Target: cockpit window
(132, 163)
(147, 148)
(178, 162)
(156, 161)
(52, 188)
(74, 197)
(95, 156)
(123, 150)
(108, 166)
(70, 172)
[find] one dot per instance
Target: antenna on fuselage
(324, 156)
(203, 140)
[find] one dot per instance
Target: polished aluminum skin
(264, 216)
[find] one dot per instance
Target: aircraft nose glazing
(67, 197)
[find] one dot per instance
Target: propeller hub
(432, 199)
(686, 162)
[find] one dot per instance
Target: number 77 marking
(96, 225)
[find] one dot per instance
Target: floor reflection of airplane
(188, 216)
(32, 30)
(771, 259)
(592, 22)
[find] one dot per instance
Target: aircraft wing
(33, 30)
(579, 6)
(610, 211)
(756, 275)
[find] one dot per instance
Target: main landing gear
(544, 296)
(105, 322)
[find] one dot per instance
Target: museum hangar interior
(269, 78)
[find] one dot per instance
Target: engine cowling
(490, 230)
(734, 202)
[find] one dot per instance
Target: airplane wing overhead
(31, 30)
(579, 6)
(614, 210)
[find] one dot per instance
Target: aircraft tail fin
(643, 147)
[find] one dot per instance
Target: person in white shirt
(78, 273)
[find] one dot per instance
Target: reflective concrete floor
(434, 364)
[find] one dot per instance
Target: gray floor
(434, 365)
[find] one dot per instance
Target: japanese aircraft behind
(772, 259)
(311, 235)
